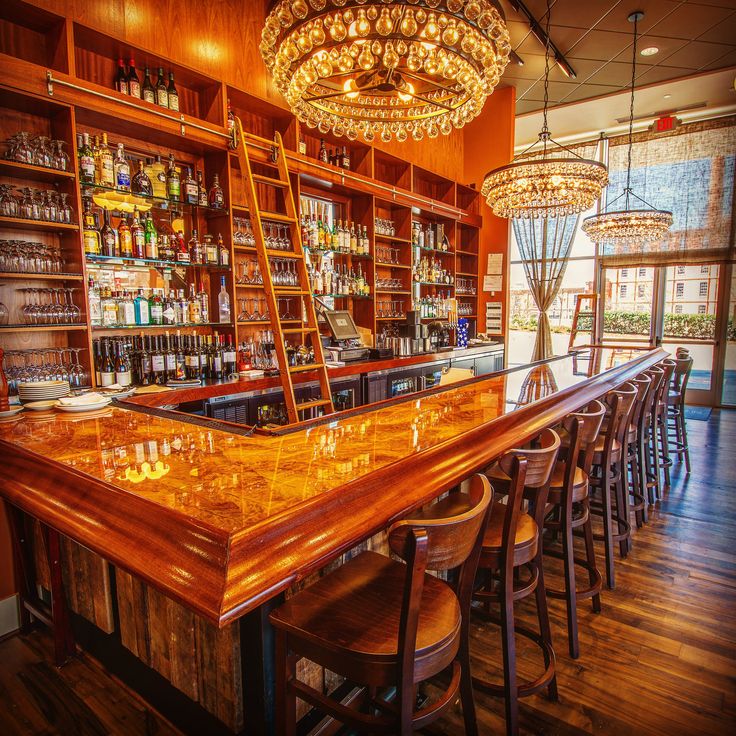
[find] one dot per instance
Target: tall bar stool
(512, 541)
(636, 450)
(678, 446)
(610, 478)
(568, 491)
(650, 438)
(665, 460)
(382, 624)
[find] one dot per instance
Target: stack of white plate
(86, 402)
(43, 390)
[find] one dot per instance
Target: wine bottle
(173, 180)
(86, 161)
(107, 235)
(134, 84)
(162, 95)
(148, 91)
(121, 80)
(151, 238)
(122, 366)
(173, 94)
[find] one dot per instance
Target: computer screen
(341, 325)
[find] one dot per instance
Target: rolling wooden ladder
(303, 292)
(591, 313)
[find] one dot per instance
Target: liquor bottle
(195, 249)
(230, 118)
(345, 158)
(169, 359)
(144, 362)
(149, 91)
(138, 235)
(181, 307)
(156, 172)
(204, 304)
(158, 362)
(169, 313)
(229, 359)
(302, 145)
(162, 96)
(202, 358)
(86, 161)
(181, 361)
(173, 95)
(96, 158)
(216, 197)
(156, 308)
(125, 238)
(190, 188)
(192, 360)
(134, 84)
(91, 235)
(223, 253)
(194, 309)
(223, 302)
(107, 367)
(182, 252)
(106, 164)
(107, 235)
(211, 257)
(151, 238)
(122, 366)
(216, 366)
(173, 180)
(122, 170)
(323, 156)
(141, 184)
(126, 309)
(201, 190)
(121, 80)
(95, 307)
(109, 308)
(142, 311)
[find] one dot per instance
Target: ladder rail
(592, 313)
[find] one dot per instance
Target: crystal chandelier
(385, 68)
(618, 227)
(553, 182)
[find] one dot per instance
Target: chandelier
(385, 68)
(553, 182)
(618, 227)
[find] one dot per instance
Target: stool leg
(285, 699)
(622, 506)
(607, 523)
(654, 442)
(683, 433)
(665, 447)
(568, 554)
(590, 553)
(466, 684)
(635, 487)
(545, 630)
(511, 690)
(641, 453)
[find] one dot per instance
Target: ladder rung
(303, 368)
(270, 181)
(290, 291)
(299, 330)
(283, 254)
(313, 404)
(259, 139)
(586, 314)
(276, 217)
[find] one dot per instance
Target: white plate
(83, 407)
(42, 384)
(41, 405)
(11, 412)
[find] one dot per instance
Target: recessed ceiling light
(649, 51)
(667, 96)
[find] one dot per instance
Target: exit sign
(664, 124)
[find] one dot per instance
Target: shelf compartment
(392, 265)
(146, 328)
(116, 199)
(468, 199)
(391, 169)
(428, 184)
(19, 223)
(42, 328)
(18, 170)
(361, 160)
(126, 262)
(392, 238)
(41, 276)
(465, 273)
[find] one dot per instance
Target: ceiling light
(667, 96)
(649, 51)
(385, 68)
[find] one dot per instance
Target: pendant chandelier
(553, 182)
(617, 227)
(385, 68)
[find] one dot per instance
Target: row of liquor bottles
(146, 176)
(334, 280)
(439, 306)
(120, 307)
(432, 271)
(163, 94)
(430, 236)
(142, 238)
(318, 233)
(157, 359)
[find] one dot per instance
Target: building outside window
(704, 269)
(703, 289)
(642, 272)
(678, 308)
(640, 291)
(679, 286)
(623, 290)
(680, 270)
(701, 308)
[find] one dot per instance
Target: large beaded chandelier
(619, 227)
(385, 68)
(551, 182)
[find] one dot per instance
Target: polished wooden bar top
(222, 520)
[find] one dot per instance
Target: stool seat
(557, 484)
(354, 614)
(525, 541)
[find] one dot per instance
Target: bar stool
(512, 541)
(650, 426)
(382, 624)
(568, 490)
(636, 451)
(676, 409)
(665, 461)
(609, 463)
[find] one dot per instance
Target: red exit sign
(664, 124)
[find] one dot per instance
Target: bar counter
(221, 519)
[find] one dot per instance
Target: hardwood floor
(659, 659)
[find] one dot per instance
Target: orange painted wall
(489, 142)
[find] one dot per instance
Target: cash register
(345, 345)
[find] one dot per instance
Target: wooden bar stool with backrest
(649, 439)
(635, 449)
(676, 409)
(512, 541)
(383, 624)
(665, 461)
(609, 462)
(568, 491)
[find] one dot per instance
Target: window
(704, 269)
(678, 308)
(642, 272)
(701, 308)
(680, 270)
(640, 291)
(679, 287)
(703, 290)
(624, 273)
(622, 291)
